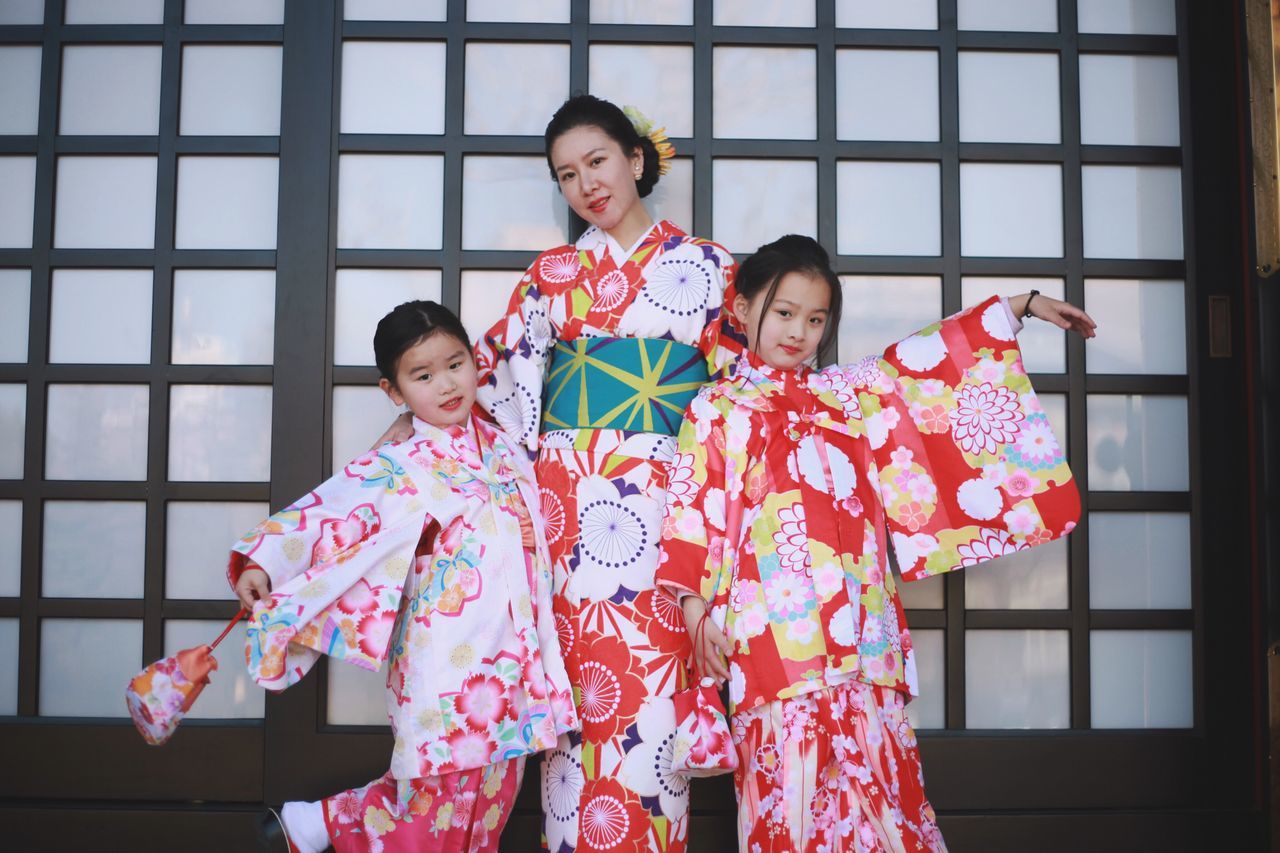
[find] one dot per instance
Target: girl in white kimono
(430, 553)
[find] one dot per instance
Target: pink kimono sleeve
(968, 466)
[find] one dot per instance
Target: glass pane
(494, 106)
(764, 93)
(105, 203)
(1140, 679)
(17, 202)
(887, 94)
(361, 413)
(1140, 560)
(366, 296)
(234, 11)
(93, 549)
(10, 548)
(115, 12)
(677, 12)
(15, 319)
(530, 11)
(763, 13)
(1128, 100)
(13, 430)
(85, 665)
(22, 12)
(485, 295)
(8, 662)
(656, 79)
(929, 709)
(231, 694)
(1011, 210)
(755, 201)
(1009, 97)
(393, 86)
(389, 201)
(1035, 579)
(100, 317)
(1043, 345)
(394, 10)
(1148, 322)
(1137, 442)
(227, 202)
(511, 203)
(927, 594)
(112, 90)
(198, 537)
(231, 90)
(877, 14)
(879, 310)
(224, 316)
(97, 432)
(356, 697)
(19, 90)
(220, 432)
(1157, 17)
(1017, 680)
(672, 198)
(1132, 211)
(1036, 16)
(888, 208)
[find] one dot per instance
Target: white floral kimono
(414, 552)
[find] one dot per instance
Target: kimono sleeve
(968, 467)
(723, 340)
(512, 358)
(694, 531)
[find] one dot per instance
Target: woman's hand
(1064, 315)
(709, 655)
(401, 429)
(253, 585)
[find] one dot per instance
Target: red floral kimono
(602, 490)
(786, 493)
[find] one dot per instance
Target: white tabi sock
(305, 824)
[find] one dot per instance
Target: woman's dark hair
(590, 111)
(406, 325)
(764, 270)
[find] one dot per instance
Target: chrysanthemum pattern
(985, 417)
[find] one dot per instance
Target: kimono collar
(470, 450)
(596, 241)
(783, 389)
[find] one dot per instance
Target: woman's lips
(598, 205)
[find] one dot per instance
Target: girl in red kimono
(788, 488)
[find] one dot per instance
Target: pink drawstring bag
(703, 743)
(160, 696)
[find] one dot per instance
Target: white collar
(596, 240)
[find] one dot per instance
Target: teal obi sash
(634, 384)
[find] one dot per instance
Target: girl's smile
(787, 332)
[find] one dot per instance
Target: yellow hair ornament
(658, 136)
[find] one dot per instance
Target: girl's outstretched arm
(1064, 315)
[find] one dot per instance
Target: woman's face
(597, 178)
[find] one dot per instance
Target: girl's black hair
(590, 111)
(406, 325)
(764, 270)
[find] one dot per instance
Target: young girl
(787, 488)
(424, 552)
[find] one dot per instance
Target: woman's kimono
(788, 490)
(414, 553)
(611, 788)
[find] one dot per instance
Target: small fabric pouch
(703, 744)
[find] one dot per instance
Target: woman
(603, 344)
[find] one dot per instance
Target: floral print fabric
(475, 671)
(786, 482)
(834, 771)
(611, 787)
(459, 812)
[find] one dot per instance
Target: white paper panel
(1040, 16)
(877, 14)
(656, 79)
(1140, 560)
(1035, 579)
(485, 296)
(220, 432)
(198, 540)
(1017, 679)
(1137, 442)
(524, 11)
(670, 12)
(1132, 211)
(19, 89)
(10, 548)
(93, 549)
(1043, 344)
(105, 203)
(1011, 210)
(85, 665)
(356, 697)
(110, 89)
(15, 314)
(233, 11)
(223, 316)
(494, 106)
(361, 413)
(755, 202)
(1128, 100)
(888, 208)
(929, 709)
(393, 86)
(13, 430)
(672, 198)
(395, 10)
(1140, 679)
(1009, 97)
(926, 594)
(880, 310)
(8, 662)
(100, 317)
(887, 94)
(1141, 326)
(764, 93)
(115, 12)
(763, 13)
(1153, 17)
(22, 12)
(231, 694)
(230, 90)
(227, 202)
(511, 203)
(17, 203)
(390, 201)
(363, 297)
(96, 432)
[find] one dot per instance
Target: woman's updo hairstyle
(590, 111)
(764, 270)
(406, 325)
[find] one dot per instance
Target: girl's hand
(253, 585)
(401, 429)
(1064, 315)
(710, 657)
